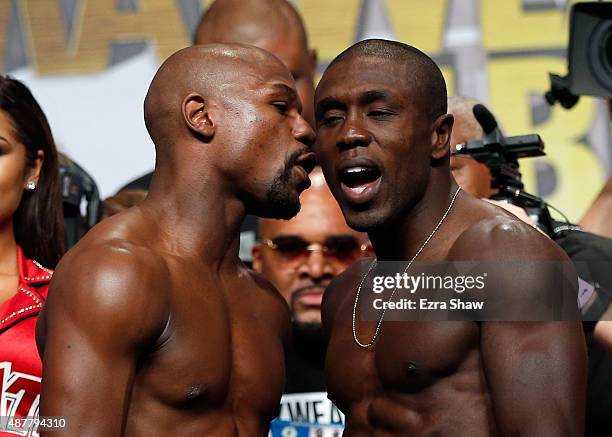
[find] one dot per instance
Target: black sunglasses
(340, 247)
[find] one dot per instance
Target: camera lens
(608, 44)
(606, 51)
(600, 54)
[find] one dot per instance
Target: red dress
(20, 365)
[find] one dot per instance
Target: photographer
(590, 253)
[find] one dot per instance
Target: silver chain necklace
(373, 264)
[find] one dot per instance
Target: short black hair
(424, 73)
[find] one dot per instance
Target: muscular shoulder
(523, 265)
(114, 281)
(502, 237)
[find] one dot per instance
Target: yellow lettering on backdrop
(96, 28)
(5, 14)
(49, 49)
(506, 26)
(331, 25)
(579, 174)
(420, 24)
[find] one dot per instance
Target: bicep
(93, 338)
(536, 374)
(86, 378)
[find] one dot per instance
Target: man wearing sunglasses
(300, 257)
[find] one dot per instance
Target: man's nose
(317, 266)
(303, 132)
(353, 134)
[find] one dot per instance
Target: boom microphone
(484, 118)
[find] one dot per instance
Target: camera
(501, 154)
(589, 56)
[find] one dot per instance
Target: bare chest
(408, 357)
(219, 349)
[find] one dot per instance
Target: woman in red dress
(31, 243)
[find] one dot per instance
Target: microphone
(494, 145)
(484, 118)
(492, 133)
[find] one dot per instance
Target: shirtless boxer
(383, 142)
(154, 327)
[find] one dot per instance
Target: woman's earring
(30, 186)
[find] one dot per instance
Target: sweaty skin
(433, 378)
(155, 327)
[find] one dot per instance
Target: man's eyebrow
(373, 96)
(365, 98)
(287, 236)
(282, 88)
(326, 104)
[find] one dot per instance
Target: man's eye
(380, 114)
(282, 107)
(330, 120)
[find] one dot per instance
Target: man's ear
(256, 252)
(440, 137)
(197, 115)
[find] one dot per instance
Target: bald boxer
(273, 25)
(155, 327)
(383, 143)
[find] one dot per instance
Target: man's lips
(307, 161)
(362, 193)
(311, 299)
(359, 178)
(304, 164)
(311, 295)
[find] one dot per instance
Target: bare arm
(104, 309)
(536, 371)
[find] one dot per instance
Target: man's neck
(401, 240)
(196, 215)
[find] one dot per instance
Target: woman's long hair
(38, 221)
